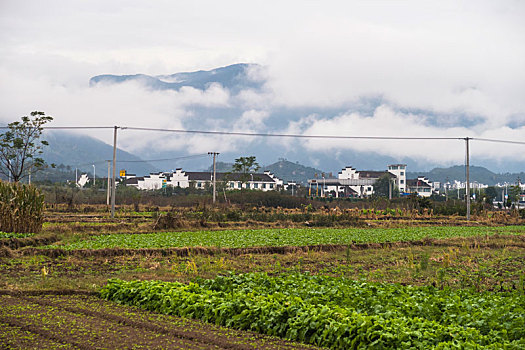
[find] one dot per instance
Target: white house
(420, 186)
(82, 180)
(399, 170)
(200, 180)
(350, 183)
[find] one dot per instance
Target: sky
(434, 68)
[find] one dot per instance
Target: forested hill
(477, 173)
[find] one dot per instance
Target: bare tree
(21, 146)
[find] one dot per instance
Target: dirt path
(86, 322)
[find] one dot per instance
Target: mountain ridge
(233, 77)
(274, 118)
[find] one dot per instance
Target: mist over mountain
(234, 77)
(82, 151)
(238, 98)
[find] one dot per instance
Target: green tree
(245, 166)
(381, 187)
(514, 194)
(21, 147)
(490, 194)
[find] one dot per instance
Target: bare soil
(80, 321)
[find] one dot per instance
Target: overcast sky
(462, 61)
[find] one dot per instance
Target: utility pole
(468, 176)
(76, 177)
(94, 176)
(214, 154)
(446, 189)
(107, 200)
(114, 184)
(389, 189)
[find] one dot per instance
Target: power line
(162, 160)
(498, 141)
(233, 133)
(145, 160)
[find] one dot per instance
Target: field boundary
(472, 242)
(15, 243)
(37, 292)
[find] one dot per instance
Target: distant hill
(283, 169)
(289, 171)
(477, 173)
(234, 77)
(81, 151)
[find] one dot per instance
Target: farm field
(281, 237)
(57, 274)
(336, 312)
(87, 322)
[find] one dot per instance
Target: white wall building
(349, 183)
(420, 186)
(200, 180)
(399, 170)
(82, 180)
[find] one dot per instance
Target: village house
(200, 179)
(420, 186)
(353, 183)
(350, 183)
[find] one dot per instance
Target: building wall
(400, 171)
(348, 173)
(179, 179)
(151, 182)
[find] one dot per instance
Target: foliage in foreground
(21, 208)
(281, 237)
(21, 147)
(337, 312)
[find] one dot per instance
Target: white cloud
(252, 120)
(386, 122)
(447, 58)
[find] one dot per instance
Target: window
(401, 181)
(255, 185)
(271, 185)
(199, 184)
(369, 189)
(240, 184)
(402, 173)
(263, 185)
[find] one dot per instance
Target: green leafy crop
(282, 237)
(338, 313)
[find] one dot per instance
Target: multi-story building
(399, 170)
(353, 183)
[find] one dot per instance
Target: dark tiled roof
(132, 181)
(206, 176)
(200, 175)
(416, 183)
(374, 174)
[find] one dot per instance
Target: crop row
(14, 235)
(336, 312)
(281, 237)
